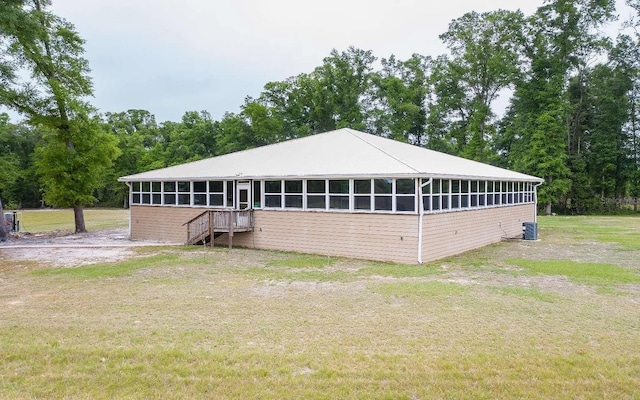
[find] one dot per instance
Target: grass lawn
(39, 220)
(554, 318)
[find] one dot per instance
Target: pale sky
(169, 56)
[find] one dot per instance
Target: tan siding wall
(452, 233)
(163, 224)
(383, 237)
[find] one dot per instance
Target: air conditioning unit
(530, 231)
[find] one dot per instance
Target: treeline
(571, 115)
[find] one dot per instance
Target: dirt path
(61, 248)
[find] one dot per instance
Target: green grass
(536, 294)
(302, 261)
(109, 270)
(420, 289)
(188, 322)
(50, 220)
(623, 231)
(590, 273)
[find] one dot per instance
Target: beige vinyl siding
(451, 233)
(383, 237)
(163, 224)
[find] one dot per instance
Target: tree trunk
(547, 209)
(78, 215)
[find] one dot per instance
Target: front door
(244, 195)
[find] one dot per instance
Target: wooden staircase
(212, 223)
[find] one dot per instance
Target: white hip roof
(343, 153)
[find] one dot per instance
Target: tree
(562, 37)
(19, 185)
(485, 59)
(45, 78)
(400, 96)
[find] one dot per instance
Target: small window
(199, 187)
(316, 186)
(135, 186)
(405, 186)
(184, 187)
(362, 186)
(383, 203)
(273, 187)
(169, 187)
(383, 186)
(272, 201)
(184, 199)
(316, 202)
(362, 202)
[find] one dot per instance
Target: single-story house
(339, 193)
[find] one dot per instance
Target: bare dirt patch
(64, 248)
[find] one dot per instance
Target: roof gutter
(420, 218)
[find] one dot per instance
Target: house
(341, 193)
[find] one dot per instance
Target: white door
(244, 195)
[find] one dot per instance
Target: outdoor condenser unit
(530, 231)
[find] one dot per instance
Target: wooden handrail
(209, 222)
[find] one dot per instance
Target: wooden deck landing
(206, 226)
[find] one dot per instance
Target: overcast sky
(169, 56)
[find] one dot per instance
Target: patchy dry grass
(41, 220)
(544, 319)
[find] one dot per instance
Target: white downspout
(129, 186)
(535, 200)
(420, 219)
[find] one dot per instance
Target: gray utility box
(530, 231)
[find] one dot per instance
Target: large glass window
(200, 193)
(273, 194)
(316, 194)
(455, 194)
(464, 194)
(216, 193)
(293, 194)
(169, 193)
(362, 194)
(339, 194)
(405, 195)
(383, 190)
(184, 193)
(146, 192)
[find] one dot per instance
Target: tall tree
(400, 99)
(485, 59)
(562, 36)
(45, 78)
